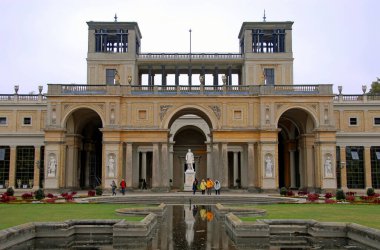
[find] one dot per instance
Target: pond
(188, 226)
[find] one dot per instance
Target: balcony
(189, 90)
(188, 56)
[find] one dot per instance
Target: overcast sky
(45, 41)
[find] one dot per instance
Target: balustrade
(169, 56)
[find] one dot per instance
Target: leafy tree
(375, 87)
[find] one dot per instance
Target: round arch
(67, 116)
(299, 115)
(207, 115)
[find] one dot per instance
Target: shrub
(50, 200)
(328, 195)
(302, 193)
(99, 190)
(370, 192)
(69, 197)
(340, 195)
(289, 193)
(39, 194)
(313, 197)
(91, 193)
(27, 196)
(49, 195)
(350, 198)
(4, 197)
(330, 201)
(351, 193)
(10, 191)
(283, 191)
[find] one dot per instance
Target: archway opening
(83, 149)
(189, 131)
(295, 139)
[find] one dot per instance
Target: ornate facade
(248, 125)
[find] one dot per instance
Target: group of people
(206, 186)
(123, 185)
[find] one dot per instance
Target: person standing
(209, 185)
(123, 184)
(113, 186)
(203, 186)
(217, 187)
(195, 183)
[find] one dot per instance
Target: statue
(117, 78)
(111, 166)
(268, 167)
(190, 160)
(52, 166)
(328, 167)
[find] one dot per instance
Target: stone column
(164, 166)
(251, 166)
(343, 170)
(215, 161)
(367, 167)
(224, 166)
(87, 168)
(128, 164)
(156, 167)
(12, 166)
(190, 76)
(209, 166)
(171, 155)
(37, 164)
(143, 165)
(292, 169)
(236, 169)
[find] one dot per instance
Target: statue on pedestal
(189, 160)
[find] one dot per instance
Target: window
(353, 121)
(4, 166)
(110, 76)
(111, 41)
(375, 167)
(355, 167)
(3, 120)
(376, 120)
(24, 166)
(269, 76)
(27, 121)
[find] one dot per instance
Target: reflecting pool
(188, 226)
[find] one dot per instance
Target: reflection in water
(188, 227)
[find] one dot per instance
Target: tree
(375, 87)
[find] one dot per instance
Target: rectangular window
(355, 167)
(269, 76)
(375, 167)
(110, 76)
(27, 121)
(353, 121)
(3, 120)
(24, 166)
(4, 166)
(376, 121)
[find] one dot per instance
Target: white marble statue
(52, 166)
(268, 167)
(190, 160)
(328, 167)
(111, 166)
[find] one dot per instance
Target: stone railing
(22, 98)
(356, 98)
(187, 56)
(168, 90)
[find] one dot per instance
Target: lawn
(364, 214)
(16, 214)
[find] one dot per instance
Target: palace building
(247, 123)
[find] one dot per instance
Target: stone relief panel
(216, 110)
(142, 114)
(52, 165)
(237, 115)
(163, 110)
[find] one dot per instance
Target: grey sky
(45, 41)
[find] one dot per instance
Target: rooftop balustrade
(189, 90)
(187, 56)
(23, 98)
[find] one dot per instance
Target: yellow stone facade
(249, 126)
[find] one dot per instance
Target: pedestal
(189, 179)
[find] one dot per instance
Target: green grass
(364, 214)
(16, 214)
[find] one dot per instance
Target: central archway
(83, 168)
(295, 147)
